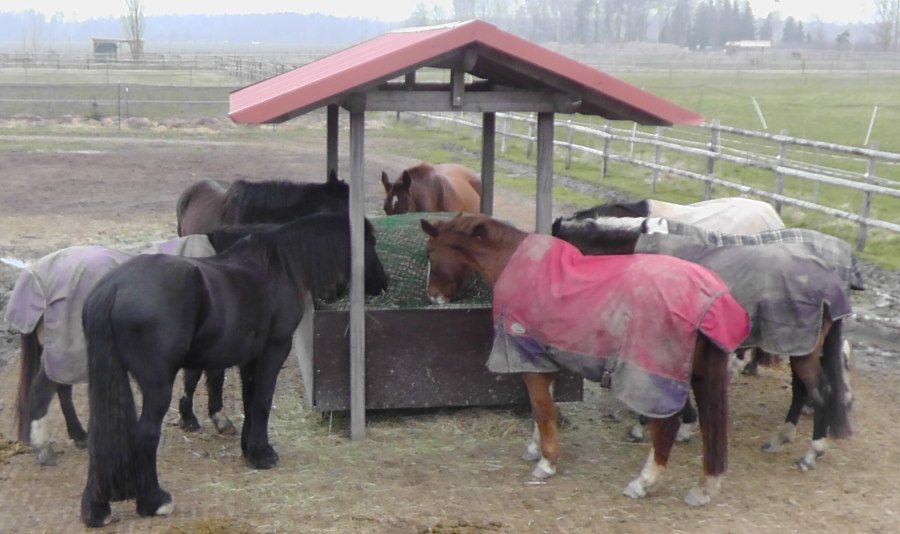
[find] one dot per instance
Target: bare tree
(134, 26)
(33, 35)
(887, 23)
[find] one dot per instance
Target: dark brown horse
(534, 339)
(425, 187)
(210, 204)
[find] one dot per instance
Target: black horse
(211, 204)
(156, 314)
(796, 302)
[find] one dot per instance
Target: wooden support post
(457, 87)
(357, 272)
(711, 161)
(332, 127)
(544, 203)
(503, 129)
(569, 143)
(866, 206)
(606, 142)
(779, 178)
(657, 156)
(530, 141)
(488, 127)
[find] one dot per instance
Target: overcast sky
(386, 10)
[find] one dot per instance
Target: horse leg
(662, 437)
(215, 381)
(248, 388)
(73, 425)
(788, 430)
(709, 381)
(188, 421)
(259, 452)
(685, 430)
(42, 391)
(544, 413)
(151, 498)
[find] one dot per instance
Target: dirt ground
(431, 471)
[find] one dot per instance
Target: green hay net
(401, 247)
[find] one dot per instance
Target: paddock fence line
(850, 168)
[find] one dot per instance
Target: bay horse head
(398, 197)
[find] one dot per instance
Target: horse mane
(314, 250)
(641, 208)
(273, 196)
(224, 237)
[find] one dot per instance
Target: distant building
(109, 48)
(747, 46)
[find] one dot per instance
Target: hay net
(401, 247)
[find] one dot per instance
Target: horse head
(462, 244)
(398, 196)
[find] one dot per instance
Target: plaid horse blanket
(785, 287)
(628, 320)
(55, 287)
(835, 252)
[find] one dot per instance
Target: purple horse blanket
(55, 287)
(630, 319)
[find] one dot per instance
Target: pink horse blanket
(631, 320)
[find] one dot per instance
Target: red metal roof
(392, 54)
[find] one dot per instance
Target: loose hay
(8, 449)
(211, 526)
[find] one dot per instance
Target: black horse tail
(833, 367)
(111, 451)
(30, 364)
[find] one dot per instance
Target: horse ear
(406, 179)
(386, 182)
(554, 230)
(429, 228)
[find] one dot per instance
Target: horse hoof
(224, 425)
(685, 433)
(772, 447)
(95, 515)
(80, 443)
(543, 470)
(635, 435)
(166, 508)
(635, 489)
(267, 460)
(697, 497)
(808, 409)
(47, 457)
(532, 453)
(159, 502)
(189, 424)
(805, 465)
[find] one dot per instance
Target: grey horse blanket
(835, 252)
(55, 287)
(785, 287)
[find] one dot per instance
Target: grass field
(833, 107)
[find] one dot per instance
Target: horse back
(200, 207)
(450, 187)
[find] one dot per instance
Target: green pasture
(833, 107)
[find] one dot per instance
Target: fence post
(711, 161)
(866, 202)
(606, 141)
(656, 158)
(779, 178)
(631, 144)
(503, 130)
(530, 142)
(569, 143)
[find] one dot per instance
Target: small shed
(109, 48)
(507, 74)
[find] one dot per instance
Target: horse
(796, 293)
(733, 215)
(652, 328)
(426, 187)
(156, 314)
(209, 204)
(45, 308)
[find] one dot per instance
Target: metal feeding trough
(418, 354)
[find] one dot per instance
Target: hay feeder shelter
(413, 358)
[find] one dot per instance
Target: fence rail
(714, 151)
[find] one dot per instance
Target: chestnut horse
(426, 187)
(648, 325)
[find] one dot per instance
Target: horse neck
(490, 258)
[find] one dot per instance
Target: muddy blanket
(733, 215)
(785, 287)
(835, 252)
(55, 287)
(631, 320)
